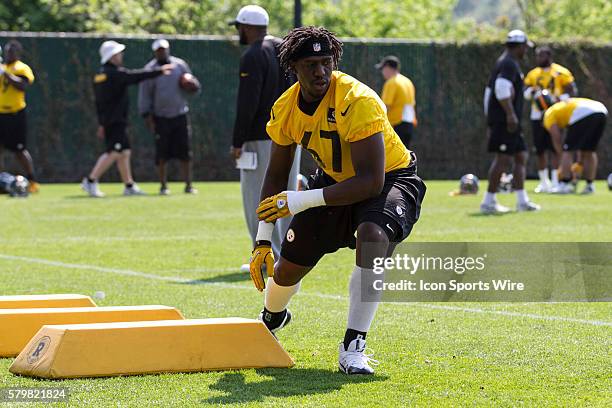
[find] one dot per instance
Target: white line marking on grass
(174, 279)
(95, 268)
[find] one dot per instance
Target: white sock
(554, 176)
(489, 198)
(277, 297)
(521, 196)
(360, 313)
(543, 174)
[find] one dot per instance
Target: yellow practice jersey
(399, 96)
(555, 79)
(12, 99)
(349, 112)
(566, 113)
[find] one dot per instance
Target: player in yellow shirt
(367, 184)
(15, 77)
(559, 82)
(585, 121)
(399, 96)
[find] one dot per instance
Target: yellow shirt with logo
(554, 78)
(566, 113)
(349, 112)
(12, 99)
(399, 96)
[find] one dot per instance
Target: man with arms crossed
(367, 184)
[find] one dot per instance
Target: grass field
(185, 251)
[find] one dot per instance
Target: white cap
(160, 43)
(252, 15)
(518, 37)
(108, 49)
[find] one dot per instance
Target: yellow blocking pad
(38, 301)
(17, 326)
(110, 349)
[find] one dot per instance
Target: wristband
(298, 201)
(264, 231)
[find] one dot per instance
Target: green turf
(466, 354)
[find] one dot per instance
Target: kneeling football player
(366, 191)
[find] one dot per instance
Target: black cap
(390, 60)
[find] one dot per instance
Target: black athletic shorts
(13, 130)
(541, 138)
(172, 138)
(504, 142)
(404, 131)
(323, 230)
(586, 133)
(115, 137)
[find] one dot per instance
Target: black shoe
(190, 190)
(273, 329)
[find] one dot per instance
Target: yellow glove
(274, 207)
(261, 257)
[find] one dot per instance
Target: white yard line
(128, 272)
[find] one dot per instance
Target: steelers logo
(290, 235)
(38, 349)
(502, 147)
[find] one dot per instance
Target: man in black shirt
(503, 107)
(262, 81)
(110, 88)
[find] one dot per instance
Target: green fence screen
(449, 79)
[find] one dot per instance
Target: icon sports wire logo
(412, 264)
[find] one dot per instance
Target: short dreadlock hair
(294, 40)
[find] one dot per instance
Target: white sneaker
(543, 187)
(528, 206)
(133, 191)
(494, 208)
(564, 188)
(354, 360)
(91, 188)
(588, 189)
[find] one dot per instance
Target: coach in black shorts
(503, 108)
(163, 104)
(112, 100)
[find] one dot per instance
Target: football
(189, 83)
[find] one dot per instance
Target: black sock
(91, 180)
(351, 335)
(129, 185)
(566, 179)
(30, 177)
(273, 319)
